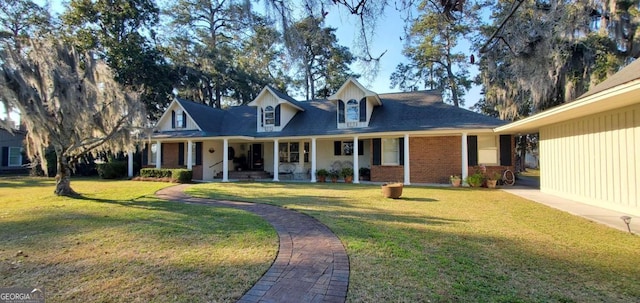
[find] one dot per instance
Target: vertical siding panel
(615, 158)
(583, 165)
(600, 158)
(592, 156)
(624, 160)
(636, 143)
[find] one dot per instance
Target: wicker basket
(392, 190)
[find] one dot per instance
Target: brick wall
(434, 159)
(170, 155)
(387, 173)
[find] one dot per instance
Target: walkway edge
(312, 264)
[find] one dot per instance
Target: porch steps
(246, 175)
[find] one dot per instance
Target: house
(410, 137)
(590, 148)
(12, 152)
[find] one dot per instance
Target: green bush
(181, 175)
(112, 170)
(476, 179)
(346, 171)
(156, 173)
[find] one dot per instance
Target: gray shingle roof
(412, 111)
(627, 74)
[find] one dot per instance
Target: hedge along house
(590, 148)
(405, 137)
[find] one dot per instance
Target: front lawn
(459, 245)
(121, 244)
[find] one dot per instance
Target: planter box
(392, 190)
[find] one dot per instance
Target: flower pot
(322, 179)
(348, 179)
(392, 190)
(456, 182)
(492, 183)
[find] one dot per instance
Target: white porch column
(130, 164)
(225, 160)
(158, 154)
(356, 164)
(465, 159)
(189, 156)
(407, 176)
(313, 160)
(276, 159)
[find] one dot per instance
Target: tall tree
(20, 19)
(122, 32)
(549, 53)
(319, 56)
(434, 61)
(68, 102)
(208, 33)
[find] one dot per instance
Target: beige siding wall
(595, 159)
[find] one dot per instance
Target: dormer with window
(354, 104)
(274, 110)
(176, 118)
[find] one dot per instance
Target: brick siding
(433, 160)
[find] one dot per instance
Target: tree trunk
(63, 177)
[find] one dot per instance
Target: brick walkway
(311, 266)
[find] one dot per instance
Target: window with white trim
(390, 151)
(269, 115)
(353, 111)
(15, 156)
(487, 150)
(179, 119)
(289, 152)
(153, 151)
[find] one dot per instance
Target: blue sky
(386, 38)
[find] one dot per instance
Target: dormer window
(269, 115)
(179, 119)
(353, 111)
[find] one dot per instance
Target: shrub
(112, 169)
(476, 179)
(347, 171)
(181, 175)
(322, 172)
(155, 173)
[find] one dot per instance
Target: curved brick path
(311, 266)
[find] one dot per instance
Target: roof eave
(616, 97)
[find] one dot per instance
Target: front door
(257, 161)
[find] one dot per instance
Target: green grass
(118, 243)
(459, 245)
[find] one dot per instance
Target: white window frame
(488, 150)
(153, 149)
(18, 157)
(179, 120)
(288, 154)
(269, 111)
(193, 153)
(352, 108)
(390, 146)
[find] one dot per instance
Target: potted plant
(333, 175)
(456, 180)
(475, 180)
(392, 190)
(322, 175)
(347, 174)
(365, 173)
(492, 180)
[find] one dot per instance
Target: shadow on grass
(21, 181)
